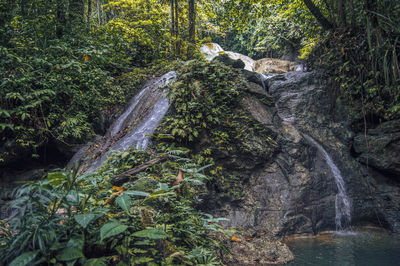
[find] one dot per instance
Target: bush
(82, 219)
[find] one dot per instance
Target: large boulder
(273, 65)
(248, 62)
(211, 50)
(263, 66)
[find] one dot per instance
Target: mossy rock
(225, 59)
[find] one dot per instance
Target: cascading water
(286, 106)
(263, 78)
(342, 202)
(132, 128)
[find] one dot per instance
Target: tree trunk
(172, 27)
(177, 47)
(60, 18)
(22, 7)
(370, 5)
(89, 12)
(192, 28)
(76, 10)
(318, 15)
(341, 13)
(124, 177)
(353, 15)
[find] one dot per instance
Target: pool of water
(363, 248)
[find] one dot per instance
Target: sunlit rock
(211, 50)
(249, 63)
(273, 65)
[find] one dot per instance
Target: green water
(362, 248)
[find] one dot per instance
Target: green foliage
(82, 220)
(68, 88)
(362, 65)
(209, 115)
(207, 100)
(265, 28)
(141, 27)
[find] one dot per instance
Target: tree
(325, 23)
(76, 10)
(192, 28)
(177, 41)
(60, 18)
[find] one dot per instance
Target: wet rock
(264, 66)
(227, 60)
(132, 128)
(256, 248)
(210, 50)
(303, 100)
(294, 190)
(248, 62)
(380, 148)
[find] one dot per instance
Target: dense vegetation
(67, 67)
(70, 218)
(354, 43)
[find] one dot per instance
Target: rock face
(380, 148)
(295, 191)
(263, 66)
(256, 248)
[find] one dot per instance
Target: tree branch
(325, 23)
(125, 176)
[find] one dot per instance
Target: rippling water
(363, 248)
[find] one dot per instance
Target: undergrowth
(72, 219)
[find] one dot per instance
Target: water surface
(362, 248)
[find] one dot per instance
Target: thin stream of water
(342, 202)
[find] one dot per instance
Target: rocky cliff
(294, 192)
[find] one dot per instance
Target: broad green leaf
(96, 262)
(136, 193)
(85, 219)
(111, 229)
(72, 251)
(152, 233)
(141, 260)
(24, 259)
(124, 202)
(56, 178)
(71, 263)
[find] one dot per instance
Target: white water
(264, 77)
(118, 123)
(342, 202)
(131, 128)
(140, 136)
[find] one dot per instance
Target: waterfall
(132, 128)
(286, 105)
(140, 135)
(264, 77)
(342, 202)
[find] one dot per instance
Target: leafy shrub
(82, 219)
(207, 103)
